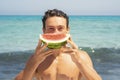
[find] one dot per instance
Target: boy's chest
(61, 66)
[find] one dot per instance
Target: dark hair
(52, 13)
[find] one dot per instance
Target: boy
(66, 63)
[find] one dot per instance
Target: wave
(96, 54)
(106, 62)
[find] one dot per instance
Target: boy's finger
(40, 42)
(38, 46)
(43, 47)
(74, 46)
(47, 53)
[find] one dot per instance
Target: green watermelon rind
(55, 44)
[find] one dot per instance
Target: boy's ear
(68, 29)
(43, 29)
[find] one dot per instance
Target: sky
(71, 7)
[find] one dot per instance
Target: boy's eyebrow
(61, 25)
(50, 26)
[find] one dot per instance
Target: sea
(99, 36)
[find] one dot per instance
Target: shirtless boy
(66, 63)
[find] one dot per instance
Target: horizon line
(68, 15)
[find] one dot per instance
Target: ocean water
(97, 35)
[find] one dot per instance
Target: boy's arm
(84, 63)
(86, 66)
(33, 62)
(19, 76)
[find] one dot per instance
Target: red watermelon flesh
(54, 36)
(54, 41)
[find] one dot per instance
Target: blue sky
(72, 7)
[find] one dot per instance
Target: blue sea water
(98, 35)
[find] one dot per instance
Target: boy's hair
(52, 13)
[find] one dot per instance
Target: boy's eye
(50, 29)
(60, 28)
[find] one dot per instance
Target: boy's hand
(73, 45)
(40, 54)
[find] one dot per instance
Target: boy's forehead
(56, 20)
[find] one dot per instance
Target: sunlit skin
(66, 63)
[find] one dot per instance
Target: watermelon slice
(54, 41)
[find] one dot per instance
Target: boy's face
(56, 25)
